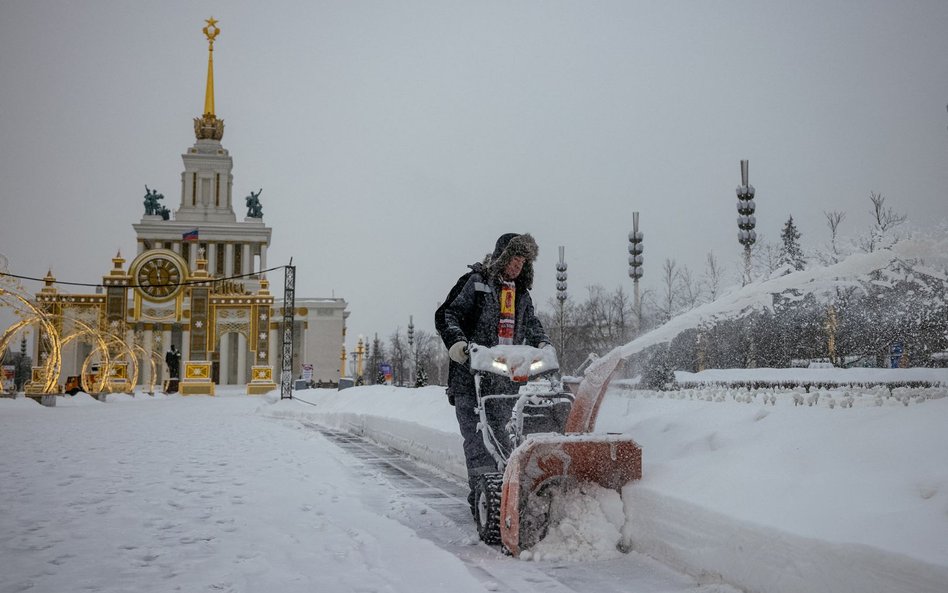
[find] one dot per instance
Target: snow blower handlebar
(517, 363)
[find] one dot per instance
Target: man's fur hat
(508, 246)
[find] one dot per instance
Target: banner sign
(386, 371)
(8, 377)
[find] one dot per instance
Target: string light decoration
(52, 363)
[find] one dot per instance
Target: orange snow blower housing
(547, 445)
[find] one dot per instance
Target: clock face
(159, 278)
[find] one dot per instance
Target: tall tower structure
(205, 217)
(207, 181)
(198, 267)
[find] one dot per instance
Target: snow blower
(545, 444)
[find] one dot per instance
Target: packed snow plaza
(779, 429)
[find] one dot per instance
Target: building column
(276, 352)
(228, 260)
(154, 346)
(185, 349)
(176, 247)
(246, 265)
(224, 357)
(211, 257)
(241, 359)
(166, 345)
(263, 256)
(144, 371)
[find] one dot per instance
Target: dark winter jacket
(473, 316)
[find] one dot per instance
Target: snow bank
(771, 497)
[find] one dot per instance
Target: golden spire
(208, 126)
(211, 31)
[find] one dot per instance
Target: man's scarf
(505, 329)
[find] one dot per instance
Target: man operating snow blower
(489, 306)
(527, 439)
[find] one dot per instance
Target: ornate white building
(198, 282)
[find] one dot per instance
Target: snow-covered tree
(834, 253)
(713, 277)
(421, 376)
(766, 257)
(428, 346)
(376, 357)
(667, 304)
(567, 331)
(791, 255)
(398, 349)
(885, 224)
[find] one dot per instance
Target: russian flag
(190, 235)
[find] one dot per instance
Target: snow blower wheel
(487, 497)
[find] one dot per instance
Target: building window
(219, 264)
(238, 259)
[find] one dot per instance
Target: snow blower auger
(542, 442)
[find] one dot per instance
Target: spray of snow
(586, 523)
(822, 282)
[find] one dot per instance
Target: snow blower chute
(545, 443)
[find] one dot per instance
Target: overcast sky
(394, 141)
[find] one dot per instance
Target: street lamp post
(411, 350)
(360, 353)
(561, 294)
(746, 236)
(635, 267)
(746, 221)
(342, 361)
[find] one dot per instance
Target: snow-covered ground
(767, 491)
(192, 494)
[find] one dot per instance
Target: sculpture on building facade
(152, 197)
(254, 209)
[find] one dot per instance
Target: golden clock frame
(178, 297)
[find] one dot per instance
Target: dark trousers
(476, 456)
